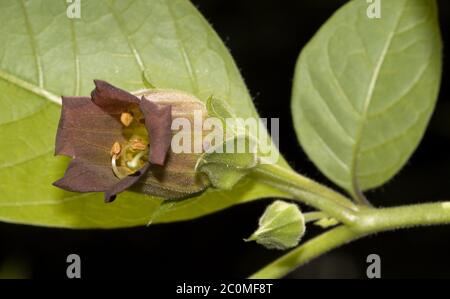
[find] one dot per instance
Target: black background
(265, 38)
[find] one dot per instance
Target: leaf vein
(33, 44)
(76, 56)
(30, 87)
(403, 94)
(369, 96)
(22, 161)
(400, 135)
(327, 146)
(330, 111)
(186, 57)
(128, 38)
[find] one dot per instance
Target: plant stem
(306, 252)
(309, 192)
(292, 178)
(376, 220)
(314, 216)
(369, 221)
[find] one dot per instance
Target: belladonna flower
(118, 141)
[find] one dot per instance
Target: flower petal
(106, 95)
(158, 120)
(82, 176)
(71, 106)
(87, 130)
(122, 185)
(89, 127)
(178, 177)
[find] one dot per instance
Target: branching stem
(357, 221)
(368, 221)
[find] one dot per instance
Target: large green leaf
(365, 89)
(130, 43)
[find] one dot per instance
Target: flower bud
(280, 227)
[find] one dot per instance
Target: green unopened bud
(280, 227)
(326, 222)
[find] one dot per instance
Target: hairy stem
(306, 252)
(309, 192)
(368, 221)
(296, 180)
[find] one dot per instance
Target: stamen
(126, 118)
(134, 163)
(138, 145)
(115, 149)
(130, 156)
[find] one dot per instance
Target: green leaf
(365, 89)
(281, 226)
(132, 44)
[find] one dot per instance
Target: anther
(115, 149)
(138, 145)
(126, 118)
